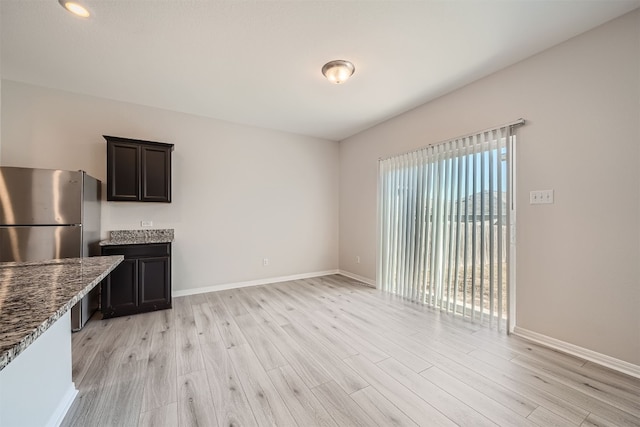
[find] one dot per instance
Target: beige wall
(239, 193)
(577, 260)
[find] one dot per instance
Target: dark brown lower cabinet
(141, 283)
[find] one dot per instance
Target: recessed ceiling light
(75, 8)
(338, 71)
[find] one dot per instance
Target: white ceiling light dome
(338, 71)
(75, 7)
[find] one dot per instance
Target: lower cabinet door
(154, 276)
(120, 291)
(141, 283)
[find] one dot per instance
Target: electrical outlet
(540, 197)
(146, 223)
(265, 262)
(358, 260)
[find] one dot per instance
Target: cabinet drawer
(137, 251)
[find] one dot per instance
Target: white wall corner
(236, 285)
(365, 280)
(65, 404)
(581, 352)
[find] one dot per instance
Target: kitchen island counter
(36, 386)
(34, 295)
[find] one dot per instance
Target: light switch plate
(540, 197)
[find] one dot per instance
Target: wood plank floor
(329, 352)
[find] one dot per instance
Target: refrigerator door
(40, 196)
(39, 243)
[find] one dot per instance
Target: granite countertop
(138, 237)
(33, 295)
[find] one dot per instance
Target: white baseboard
(225, 286)
(65, 403)
(359, 278)
(583, 353)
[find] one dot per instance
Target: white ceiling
(258, 62)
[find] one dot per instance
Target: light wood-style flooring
(329, 352)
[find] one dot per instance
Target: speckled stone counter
(33, 295)
(138, 237)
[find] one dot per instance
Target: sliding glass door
(444, 217)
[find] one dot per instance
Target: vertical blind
(444, 214)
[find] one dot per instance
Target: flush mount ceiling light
(338, 71)
(75, 8)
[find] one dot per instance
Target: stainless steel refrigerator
(50, 214)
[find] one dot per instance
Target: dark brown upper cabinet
(137, 170)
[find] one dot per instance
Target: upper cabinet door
(156, 174)
(123, 171)
(138, 171)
